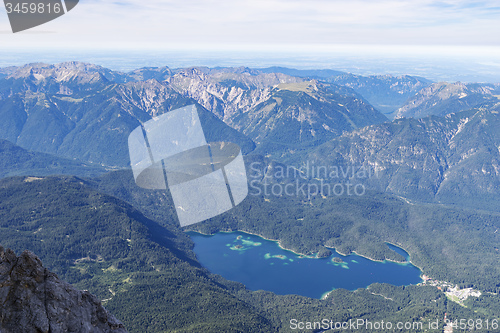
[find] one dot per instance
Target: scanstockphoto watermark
(361, 324)
(309, 180)
(462, 324)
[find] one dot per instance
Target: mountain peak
(80, 72)
(306, 86)
(443, 98)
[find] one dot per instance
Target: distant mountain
(79, 113)
(33, 299)
(385, 92)
(454, 159)
(16, 161)
(305, 73)
(73, 79)
(227, 91)
(303, 115)
(443, 98)
(281, 113)
(84, 111)
(149, 73)
(3, 72)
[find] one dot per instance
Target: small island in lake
(337, 260)
(276, 256)
(324, 253)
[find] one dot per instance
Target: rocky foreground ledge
(33, 299)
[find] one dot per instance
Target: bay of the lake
(261, 264)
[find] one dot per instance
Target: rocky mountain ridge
(34, 300)
(84, 111)
(226, 93)
(452, 159)
(89, 119)
(301, 115)
(443, 98)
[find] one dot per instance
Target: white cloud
(138, 23)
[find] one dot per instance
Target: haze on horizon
(313, 33)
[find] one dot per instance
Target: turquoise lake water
(262, 264)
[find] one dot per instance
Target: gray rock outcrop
(33, 299)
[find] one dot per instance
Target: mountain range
(443, 98)
(67, 193)
(80, 114)
(453, 159)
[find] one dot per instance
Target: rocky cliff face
(228, 93)
(32, 299)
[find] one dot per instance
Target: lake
(261, 264)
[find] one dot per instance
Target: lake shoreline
(315, 256)
(260, 236)
(226, 239)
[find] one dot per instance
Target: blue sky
(255, 24)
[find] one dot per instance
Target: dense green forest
(147, 275)
(101, 244)
(447, 243)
